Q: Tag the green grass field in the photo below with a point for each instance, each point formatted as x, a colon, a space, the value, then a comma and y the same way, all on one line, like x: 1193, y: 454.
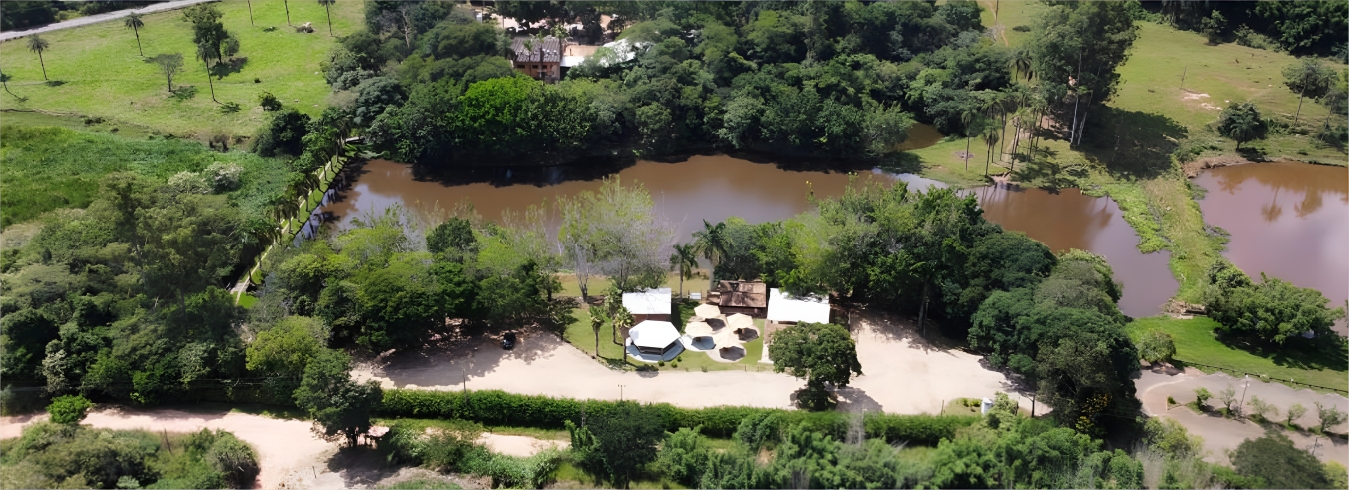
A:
x: 1197, y: 342
x: 46, y: 168
x: 104, y: 76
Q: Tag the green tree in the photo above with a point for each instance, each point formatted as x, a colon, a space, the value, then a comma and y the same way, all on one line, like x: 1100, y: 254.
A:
x: 1328, y: 416
x: 135, y: 23
x: 1263, y: 409
x: 68, y: 409
x: 1156, y: 346
x: 1275, y: 459
x: 1213, y: 27
x: 340, y: 407
x: 454, y: 237
x: 4, y: 80
x: 38, y: 45
x: 285, y: 349
x: 1294, y: 412
x: 169, y: 65
x: 1310, y: 78
x: 618, y: 442
x: 1201, y: 396
x: 327, y: 9
x: 711, y: 240
x: 684, y: 260
x: 1242, y: 122
x: 597, y: 321
x: 1228, y: 396
x: 820, y: 353
x: 1076, y: 48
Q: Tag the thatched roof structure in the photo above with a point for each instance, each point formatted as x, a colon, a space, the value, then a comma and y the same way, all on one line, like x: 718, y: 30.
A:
x: 743, y: 294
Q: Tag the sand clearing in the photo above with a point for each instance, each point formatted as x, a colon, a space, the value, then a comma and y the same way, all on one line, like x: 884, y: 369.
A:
x: 518, y: 445
x: 283, y: 446
x: 903, y: 374
x: 1222, y: 434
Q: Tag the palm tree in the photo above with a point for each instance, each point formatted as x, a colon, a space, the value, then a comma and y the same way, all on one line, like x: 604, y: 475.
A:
x: 204, y: 53
x: 1021, y: 63
x: 38, y: 45
x: 287, y: 4
x: 596, y: 323
x: 969, y: 117
x: 4, y: 80
x: 991, y: 138
x: 684, y: 261
x: 250, y: 13
x: 134, y: 22
x: 326, y: 4
x: 712, y: 242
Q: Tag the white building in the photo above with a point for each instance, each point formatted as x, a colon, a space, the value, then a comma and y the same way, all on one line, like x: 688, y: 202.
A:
x: 652, y: 304
x: 785, y: 308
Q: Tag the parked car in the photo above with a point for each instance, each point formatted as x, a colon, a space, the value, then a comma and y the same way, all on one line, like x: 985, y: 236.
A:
x: 508, y: 341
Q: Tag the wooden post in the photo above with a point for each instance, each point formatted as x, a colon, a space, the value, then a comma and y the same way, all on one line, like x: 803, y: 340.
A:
x: 1182, y: 76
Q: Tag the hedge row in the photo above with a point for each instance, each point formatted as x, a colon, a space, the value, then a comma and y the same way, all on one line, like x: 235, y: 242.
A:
x: 496, y: 407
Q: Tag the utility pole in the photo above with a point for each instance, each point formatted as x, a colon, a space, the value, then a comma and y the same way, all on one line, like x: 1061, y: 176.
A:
x: 620, y: 392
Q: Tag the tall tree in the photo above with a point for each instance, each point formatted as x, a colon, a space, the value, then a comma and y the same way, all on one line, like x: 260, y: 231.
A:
x: 684, y: 260
x: 711, y: 240
x: 204, y: 54
x: 169, y: 65
x: 37, y: 45
x: 134, y: 22
x: 991, y: 138
x: 287, y: 4
x: 327, y: 9
x: 618, y: 443
x: 1076, y: 48
x: 4, y: 80
x: 597, y: 320
x: 340, y: 407
x: 1310, y: 78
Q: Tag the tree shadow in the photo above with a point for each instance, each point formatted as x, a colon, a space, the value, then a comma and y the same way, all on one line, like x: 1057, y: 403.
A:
x: 183, y: 92
x: 1298, y: 354
x: 1131, y: 142
x: 229, y: 67
x: 360, y: 466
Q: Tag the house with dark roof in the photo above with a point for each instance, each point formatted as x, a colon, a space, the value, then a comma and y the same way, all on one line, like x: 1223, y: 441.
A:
x: 748, y: 297
x: 540, y: 59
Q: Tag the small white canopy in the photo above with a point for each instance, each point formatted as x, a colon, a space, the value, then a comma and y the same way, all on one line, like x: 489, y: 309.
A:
x: 652, y: 334
x: 783, y: 307
x: 649, y: 302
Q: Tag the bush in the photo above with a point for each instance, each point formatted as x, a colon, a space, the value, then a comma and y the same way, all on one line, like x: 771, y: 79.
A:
x: 283, y: 135
x: 1201, y: 396
x: 269, y: 102
x: 69, y: 409
x: 501, y: 408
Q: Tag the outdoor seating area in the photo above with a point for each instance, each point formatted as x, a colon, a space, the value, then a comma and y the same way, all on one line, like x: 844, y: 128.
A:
x: 721, y: 337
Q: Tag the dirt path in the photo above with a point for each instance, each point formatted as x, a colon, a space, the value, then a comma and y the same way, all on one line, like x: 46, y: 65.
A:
x: 903, y: 374
x: 103, y: 17
x: 518, y: 445
x: 1221, y: 434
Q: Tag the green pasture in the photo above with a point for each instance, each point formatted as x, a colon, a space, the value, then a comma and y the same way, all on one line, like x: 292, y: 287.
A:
x: 1197, y: 342
x: 101, y: 74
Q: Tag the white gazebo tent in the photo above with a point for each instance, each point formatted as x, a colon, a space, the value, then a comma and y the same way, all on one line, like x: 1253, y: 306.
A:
x: 652, y: 304
x: 655, y: 338
x: 785, y: 308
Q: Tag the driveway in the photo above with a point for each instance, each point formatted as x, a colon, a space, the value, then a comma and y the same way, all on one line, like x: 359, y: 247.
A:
x: 1220, y: 434
x: 106, y: 16
x: 903, y: 374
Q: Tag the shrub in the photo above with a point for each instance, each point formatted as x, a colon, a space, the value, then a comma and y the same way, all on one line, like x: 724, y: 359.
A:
x: 1201, y: 396
x: 500, y: 408
x: 1328, y: 416
x: 222, y: 177
x: 284, y: 134
x: 1156, y: 346
x: 69, y: 409
x: 269, y: 102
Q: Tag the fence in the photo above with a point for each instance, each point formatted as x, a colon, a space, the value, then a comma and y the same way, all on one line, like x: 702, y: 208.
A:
x: 1264, y: 376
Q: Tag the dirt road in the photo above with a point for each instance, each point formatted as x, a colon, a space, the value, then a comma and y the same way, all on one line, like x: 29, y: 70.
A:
x: 103, y: 17
x: 903, y: 374
x: 1220, y: 434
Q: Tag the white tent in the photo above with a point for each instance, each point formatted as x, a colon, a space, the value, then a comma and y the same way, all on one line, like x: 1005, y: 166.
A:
x: 653, y: 337
x: 649, y: 302
x: 785, y: 308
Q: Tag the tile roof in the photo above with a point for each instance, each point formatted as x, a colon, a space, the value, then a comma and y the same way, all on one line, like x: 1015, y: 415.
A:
x: 547, y: 51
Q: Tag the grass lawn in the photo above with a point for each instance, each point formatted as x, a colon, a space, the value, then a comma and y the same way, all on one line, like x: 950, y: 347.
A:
x: 597, y: 284
x: 104, y: 76
x: 580, y: 335
x: 1197, y: 342
x: 46, y: 168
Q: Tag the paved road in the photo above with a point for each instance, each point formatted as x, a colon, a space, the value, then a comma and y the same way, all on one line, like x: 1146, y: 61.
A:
x: 106, y: 16
x: 1221, y: 434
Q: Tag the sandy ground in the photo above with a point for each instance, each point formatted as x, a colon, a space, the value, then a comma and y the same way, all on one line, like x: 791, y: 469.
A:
x: 903, y: 374
x: 518, y: 445
x: 1220, y: 434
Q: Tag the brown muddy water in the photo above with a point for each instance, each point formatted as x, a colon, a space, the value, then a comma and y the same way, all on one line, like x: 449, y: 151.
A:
x: 716, y: 187
x: 1288, y: 220
x: 1069, y: 219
